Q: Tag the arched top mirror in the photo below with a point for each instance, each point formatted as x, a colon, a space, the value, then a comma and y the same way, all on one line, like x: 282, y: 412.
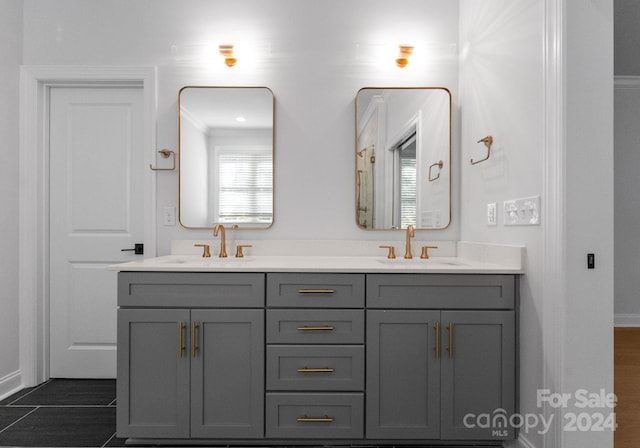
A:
x: 403, y: 158
x: 226, y: 156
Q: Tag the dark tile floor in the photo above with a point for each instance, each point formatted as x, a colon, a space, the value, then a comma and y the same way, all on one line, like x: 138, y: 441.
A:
x: 66, y: 413
x: 61, y: 413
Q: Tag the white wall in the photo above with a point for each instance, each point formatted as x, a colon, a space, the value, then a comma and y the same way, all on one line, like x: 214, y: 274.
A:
x: 588, y: 306
x: 310, y: 59
x: 565, y: 338
x: 10, y: 59
x: 501, y: 85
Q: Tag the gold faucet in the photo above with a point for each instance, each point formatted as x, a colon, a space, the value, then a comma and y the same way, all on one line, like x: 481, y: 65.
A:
x: 407, y: 253
x: 223, y: 243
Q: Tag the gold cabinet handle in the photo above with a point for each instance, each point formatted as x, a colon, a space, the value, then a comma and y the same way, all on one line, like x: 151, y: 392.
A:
x: 436, y: 348
x: 450, y: 348
x: 324, y: 419
x: 320, y: 328
x: 181, y: 346
x: 306, y: 369
x: 316, y: 291
x: 194, y: 339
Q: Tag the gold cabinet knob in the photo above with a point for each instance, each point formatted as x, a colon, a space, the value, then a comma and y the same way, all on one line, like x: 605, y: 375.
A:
x: 392, y: 251
x: 206, y: 253
x: 425, y: 251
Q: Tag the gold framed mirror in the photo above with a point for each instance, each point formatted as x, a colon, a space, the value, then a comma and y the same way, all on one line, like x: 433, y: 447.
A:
x: 226, y: 147
x: 403, y: 158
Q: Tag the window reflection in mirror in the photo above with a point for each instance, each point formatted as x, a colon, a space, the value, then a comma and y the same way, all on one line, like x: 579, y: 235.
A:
x: 402, y: 134
x: 226, y: 156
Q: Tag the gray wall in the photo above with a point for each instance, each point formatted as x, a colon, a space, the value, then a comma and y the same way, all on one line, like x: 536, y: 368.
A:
x: 626, y: 37
x: 627, y: 165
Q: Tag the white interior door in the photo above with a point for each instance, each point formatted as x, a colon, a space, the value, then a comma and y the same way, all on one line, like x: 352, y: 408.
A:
x: 96, y: 159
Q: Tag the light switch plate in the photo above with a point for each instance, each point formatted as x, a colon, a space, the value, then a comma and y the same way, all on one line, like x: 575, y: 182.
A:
x: 492, y: 214
x: 522, y: 212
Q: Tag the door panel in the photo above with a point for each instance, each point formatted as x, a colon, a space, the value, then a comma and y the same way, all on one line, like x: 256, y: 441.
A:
x: 227, y: 374
x: 96, y: 209
x: 153, y: 388
x: 403, y: 375
x: 478, y: 376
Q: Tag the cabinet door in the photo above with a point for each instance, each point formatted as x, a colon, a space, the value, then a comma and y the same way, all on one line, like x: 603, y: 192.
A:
x: 478, y: 373
x: 227, y: 374
x: 403, y: 375
x: 153, y: 373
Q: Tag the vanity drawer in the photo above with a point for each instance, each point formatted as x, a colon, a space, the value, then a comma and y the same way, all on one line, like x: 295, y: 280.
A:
x: 315, y: 327
x: 314, y: 416
x: 441, y: 291
x: 326, y: 368
x: 187, y: 289
x: 315, y: 290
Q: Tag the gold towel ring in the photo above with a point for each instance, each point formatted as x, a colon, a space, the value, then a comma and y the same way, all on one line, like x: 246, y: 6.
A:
x: 488, y: 141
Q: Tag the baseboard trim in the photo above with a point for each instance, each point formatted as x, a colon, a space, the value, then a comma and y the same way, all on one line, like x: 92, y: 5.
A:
x: 523, y: 442
x: 520, y: 442
x: 626, y: 320
x: 10, y: 384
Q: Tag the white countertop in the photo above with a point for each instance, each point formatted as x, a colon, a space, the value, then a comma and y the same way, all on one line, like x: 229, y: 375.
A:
x: 353, y: 264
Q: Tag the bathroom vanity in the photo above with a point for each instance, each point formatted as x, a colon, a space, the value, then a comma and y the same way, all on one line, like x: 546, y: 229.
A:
x: 316, y: 351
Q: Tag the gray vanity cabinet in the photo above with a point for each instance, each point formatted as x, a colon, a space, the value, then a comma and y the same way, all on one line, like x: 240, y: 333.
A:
x: 429, y: 369
x: 153, y: 373
x: 190, y: 372
x: 315, y: 358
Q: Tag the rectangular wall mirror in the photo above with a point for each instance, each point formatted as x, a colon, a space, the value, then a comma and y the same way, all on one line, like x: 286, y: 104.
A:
x: 226, y: 156
x: 403, y: 158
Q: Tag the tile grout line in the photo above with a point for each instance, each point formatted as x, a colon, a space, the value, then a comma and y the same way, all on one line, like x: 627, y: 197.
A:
x: 106, y: 406
x: 21, y: 418
x: 30, y: 392
x: 113, y: 436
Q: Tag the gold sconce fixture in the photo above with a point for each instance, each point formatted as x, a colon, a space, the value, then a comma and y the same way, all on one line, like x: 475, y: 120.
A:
x: 405, y: 51
x: 488, y: 141
x: 226, y: 50
x: 165, y: 153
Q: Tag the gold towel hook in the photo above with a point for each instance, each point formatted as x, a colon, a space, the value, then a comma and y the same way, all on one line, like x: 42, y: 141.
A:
x: 165, y: 153
x: 439, y: 164
x: 488, y: 141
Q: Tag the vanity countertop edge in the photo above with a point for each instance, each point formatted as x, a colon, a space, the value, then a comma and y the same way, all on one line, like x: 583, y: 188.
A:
x: 470, y: 258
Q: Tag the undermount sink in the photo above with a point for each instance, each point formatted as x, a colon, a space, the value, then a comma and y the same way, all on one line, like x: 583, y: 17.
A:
x: 196, y: 260
x: 420, y: 262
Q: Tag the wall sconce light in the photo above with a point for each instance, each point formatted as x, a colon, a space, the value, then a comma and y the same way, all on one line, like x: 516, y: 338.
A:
x: 226, y: 51
x: 403, y: 55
